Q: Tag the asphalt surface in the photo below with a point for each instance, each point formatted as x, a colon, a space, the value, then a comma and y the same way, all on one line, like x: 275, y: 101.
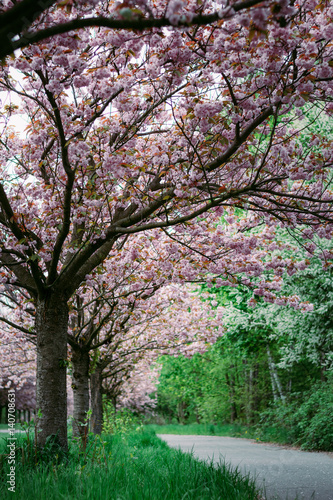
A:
x: 284, y: 473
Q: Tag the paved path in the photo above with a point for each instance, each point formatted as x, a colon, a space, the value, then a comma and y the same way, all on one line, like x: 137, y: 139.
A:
x: 284, y: 473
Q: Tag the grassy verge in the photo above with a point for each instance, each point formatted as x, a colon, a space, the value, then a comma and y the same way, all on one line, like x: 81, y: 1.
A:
x: 136, y: 467
x: 271, y: 434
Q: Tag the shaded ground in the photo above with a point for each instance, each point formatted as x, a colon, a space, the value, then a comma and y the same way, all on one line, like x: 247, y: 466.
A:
x: 285, y: 473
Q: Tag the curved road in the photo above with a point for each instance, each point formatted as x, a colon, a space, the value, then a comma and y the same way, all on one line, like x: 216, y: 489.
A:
x: 284, y: 473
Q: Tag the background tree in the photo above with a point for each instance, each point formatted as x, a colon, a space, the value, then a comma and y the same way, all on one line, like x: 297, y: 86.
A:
x: 271, y: 369
x: 139, y: 390
x: 18, y: 371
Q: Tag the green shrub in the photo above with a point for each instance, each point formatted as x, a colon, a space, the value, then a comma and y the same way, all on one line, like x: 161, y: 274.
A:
x: 122, y: 421
x: 315, y: 418
x: 306, y: 420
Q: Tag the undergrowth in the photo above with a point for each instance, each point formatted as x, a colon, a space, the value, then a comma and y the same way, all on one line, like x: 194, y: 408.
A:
x: 134, y: 466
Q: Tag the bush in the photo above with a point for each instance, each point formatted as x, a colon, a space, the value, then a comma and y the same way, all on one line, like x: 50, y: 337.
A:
x: 307, y: 419
x: 122, y: 421
x: 315, y: 418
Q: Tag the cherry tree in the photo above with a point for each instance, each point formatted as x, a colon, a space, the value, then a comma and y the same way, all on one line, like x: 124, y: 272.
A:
x: 115, y: 298
x: 134, y: 130
x: 18, y: 353
x: 174, y: 321
x: 108, y: 304
x: 18, y: 371
x: 132, y: 289
x: 137, y: 390
x: 123, y: 315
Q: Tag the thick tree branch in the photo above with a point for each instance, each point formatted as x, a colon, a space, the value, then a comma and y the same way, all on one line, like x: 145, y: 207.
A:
x: 91, y: 256
x: 242, y: 136
x: 65, y: 227
x: 15, y: 22
x: 18, y: 19
x: 17, y: 327
x: 21, y: 273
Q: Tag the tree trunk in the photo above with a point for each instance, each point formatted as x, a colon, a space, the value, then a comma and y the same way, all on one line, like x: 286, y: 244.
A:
x: 231, y: 386
x: 249, y: 408
x: 323, y: 368
x: 51, y: 394
x: 181, y: 413
x: 114, y: 399
x: 80, y: 385
x: 276, y: 384
x: 256, y: 396
x: 96, y: 401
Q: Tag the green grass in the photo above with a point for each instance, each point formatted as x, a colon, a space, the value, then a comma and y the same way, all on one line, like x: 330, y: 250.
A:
x: 271, y: 434
x: 201, y: 429
x: 136, y: 467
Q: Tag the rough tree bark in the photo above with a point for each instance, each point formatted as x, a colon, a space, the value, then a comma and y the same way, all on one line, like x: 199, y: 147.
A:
x: 96, y: 401
x: 51, y: 325
x: 80, y: 385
